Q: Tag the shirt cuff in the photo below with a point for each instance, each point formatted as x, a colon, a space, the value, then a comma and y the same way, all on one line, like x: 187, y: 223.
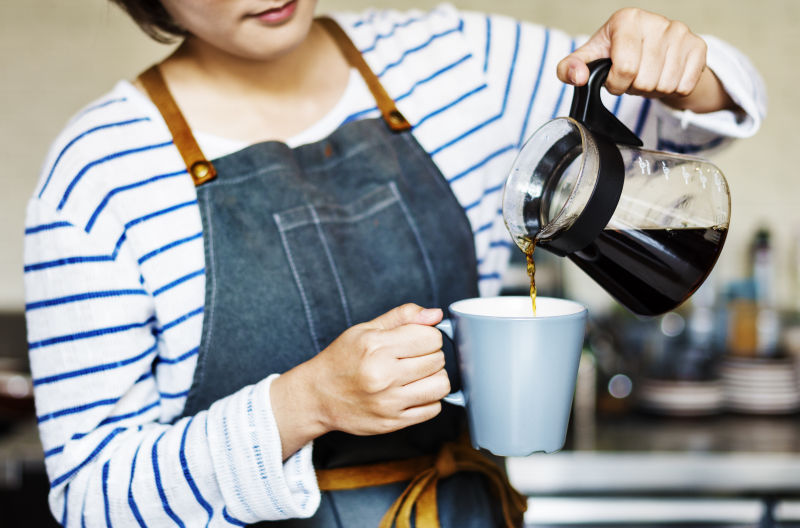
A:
x: 744, y: 85
x: 247, y: 456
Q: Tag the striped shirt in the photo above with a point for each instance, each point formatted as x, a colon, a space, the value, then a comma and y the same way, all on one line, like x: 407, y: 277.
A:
x: 114, y: 264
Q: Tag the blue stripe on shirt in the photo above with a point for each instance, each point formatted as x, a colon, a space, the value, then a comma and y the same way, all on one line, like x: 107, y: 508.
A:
x: 54, y: 451
x: 232, y: 520
x: 368, y: 20
x: 481, y: 163
x: 182, y: 357
x: 159, y: 487
x: 105, y: 493
x: 81, y: 297
x: 187, y: 474
x: 96, y: 368
x: 132, y: 414
x: 486, y: 192
x: 432, y: 76
x: 66, y: 476
x: 488, y: 43
x: 179, y: 320
x: 643, y: 113
x: 88, y: 334
x: 178, y: 281
x: 536, y: 84
x: 394, y: 27
x: 97, y: 106
x: 502, y: 108
x: 617, y: 105
x: 102, y: 160
x: 420, y: 47
x: 82, y: 135
x: 46, y: 227
x: 356, y: 115
x: 77, y: 260
x: 452, y: 103
x: 158, y: 213
x: 123, y: 188
x: 75, y: 410
x: 501, y: 243
x: 131, y: 500
x: 173, y: 395
x: 66, y: 502
x: 171, y: 245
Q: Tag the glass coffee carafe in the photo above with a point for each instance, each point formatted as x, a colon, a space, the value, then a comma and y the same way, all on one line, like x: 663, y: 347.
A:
x: 647, y: 226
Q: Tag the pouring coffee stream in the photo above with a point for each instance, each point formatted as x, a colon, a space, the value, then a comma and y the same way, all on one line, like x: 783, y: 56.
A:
x: 648, y: 226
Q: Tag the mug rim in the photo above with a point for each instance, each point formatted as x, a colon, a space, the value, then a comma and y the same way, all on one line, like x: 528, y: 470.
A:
x: 579, y: 309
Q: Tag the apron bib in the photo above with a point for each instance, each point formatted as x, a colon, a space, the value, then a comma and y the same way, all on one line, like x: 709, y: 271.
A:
x: 301, y: 244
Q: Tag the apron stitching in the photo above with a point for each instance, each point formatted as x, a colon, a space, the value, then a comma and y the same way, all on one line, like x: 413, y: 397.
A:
x: 349, y: 219
x: 292, y: 218
x: 209, y: 304
x: 413, y: 225
x: 297, y: 281
x: 332, y: 263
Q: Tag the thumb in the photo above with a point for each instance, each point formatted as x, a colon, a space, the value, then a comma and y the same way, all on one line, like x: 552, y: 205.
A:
x: 573, y: 70
x: 407, y: 314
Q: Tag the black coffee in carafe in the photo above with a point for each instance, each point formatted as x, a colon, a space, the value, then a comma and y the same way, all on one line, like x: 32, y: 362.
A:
x: 647, y: 226
x: 651, y: 271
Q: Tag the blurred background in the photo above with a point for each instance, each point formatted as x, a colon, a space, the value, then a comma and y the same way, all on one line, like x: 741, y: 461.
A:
x: 686, y: 418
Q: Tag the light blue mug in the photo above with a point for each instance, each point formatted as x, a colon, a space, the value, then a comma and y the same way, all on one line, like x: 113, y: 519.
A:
x: 518, y: 371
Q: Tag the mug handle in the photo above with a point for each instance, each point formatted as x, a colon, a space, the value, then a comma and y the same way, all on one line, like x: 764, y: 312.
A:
x: 457, y: 397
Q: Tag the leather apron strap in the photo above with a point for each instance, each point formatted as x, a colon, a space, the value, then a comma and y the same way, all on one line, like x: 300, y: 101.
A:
x: 198, y: 166
x: 203, y: 170
x: 424, y: 474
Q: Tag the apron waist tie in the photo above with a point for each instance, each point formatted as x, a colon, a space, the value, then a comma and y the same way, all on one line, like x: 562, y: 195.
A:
x: 424, y: 473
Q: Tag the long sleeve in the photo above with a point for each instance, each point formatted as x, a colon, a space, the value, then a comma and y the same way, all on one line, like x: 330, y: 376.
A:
x: 522, y: 57
x: 114, y: 292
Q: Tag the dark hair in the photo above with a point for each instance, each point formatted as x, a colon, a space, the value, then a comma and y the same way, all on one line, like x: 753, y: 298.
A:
x: 152, y: 18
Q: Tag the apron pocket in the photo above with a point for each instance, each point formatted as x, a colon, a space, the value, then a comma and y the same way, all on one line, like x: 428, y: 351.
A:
x: 355, y: 261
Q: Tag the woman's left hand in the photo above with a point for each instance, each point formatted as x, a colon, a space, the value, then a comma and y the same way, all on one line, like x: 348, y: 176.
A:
x: 651, y: 56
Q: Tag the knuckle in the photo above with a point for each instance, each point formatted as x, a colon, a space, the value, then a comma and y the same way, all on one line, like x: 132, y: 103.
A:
x: 386, y: 425
x: 371, y: 378
x: 645, y: 85
x: 408, y: 311
x: 384, y: 409
x: 436, y: 340
x: 627, y: 13
x: 439, y: 359
x: 678, y: 28
x: 371, y: 340
x: 445, y: 384
x: 433, y: 411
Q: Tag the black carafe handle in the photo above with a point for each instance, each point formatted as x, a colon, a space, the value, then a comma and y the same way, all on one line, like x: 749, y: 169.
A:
x: 588, y: 108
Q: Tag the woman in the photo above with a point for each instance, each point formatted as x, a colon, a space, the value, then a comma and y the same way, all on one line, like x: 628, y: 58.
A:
x: 235, y: 262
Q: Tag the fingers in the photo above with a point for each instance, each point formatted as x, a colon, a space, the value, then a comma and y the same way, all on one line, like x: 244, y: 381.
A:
x: 425, y: 391
x: 412, y: 340
x: 406, y: 314
x: 414, y: 369
x: 651, y: 55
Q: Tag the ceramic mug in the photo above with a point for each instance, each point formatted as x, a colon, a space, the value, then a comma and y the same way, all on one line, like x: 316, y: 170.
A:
x: 518, y: 371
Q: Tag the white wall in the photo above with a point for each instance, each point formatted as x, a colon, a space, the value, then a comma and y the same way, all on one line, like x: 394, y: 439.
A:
x: 59, y: 54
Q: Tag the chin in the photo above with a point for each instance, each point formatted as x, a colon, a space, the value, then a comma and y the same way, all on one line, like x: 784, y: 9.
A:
x: 265, y: 41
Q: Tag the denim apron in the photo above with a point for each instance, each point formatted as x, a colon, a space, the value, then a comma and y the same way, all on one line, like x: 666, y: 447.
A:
x: 302, y: 243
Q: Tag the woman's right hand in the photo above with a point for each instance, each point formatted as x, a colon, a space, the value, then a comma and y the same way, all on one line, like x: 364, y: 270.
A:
x: 376, y: 377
